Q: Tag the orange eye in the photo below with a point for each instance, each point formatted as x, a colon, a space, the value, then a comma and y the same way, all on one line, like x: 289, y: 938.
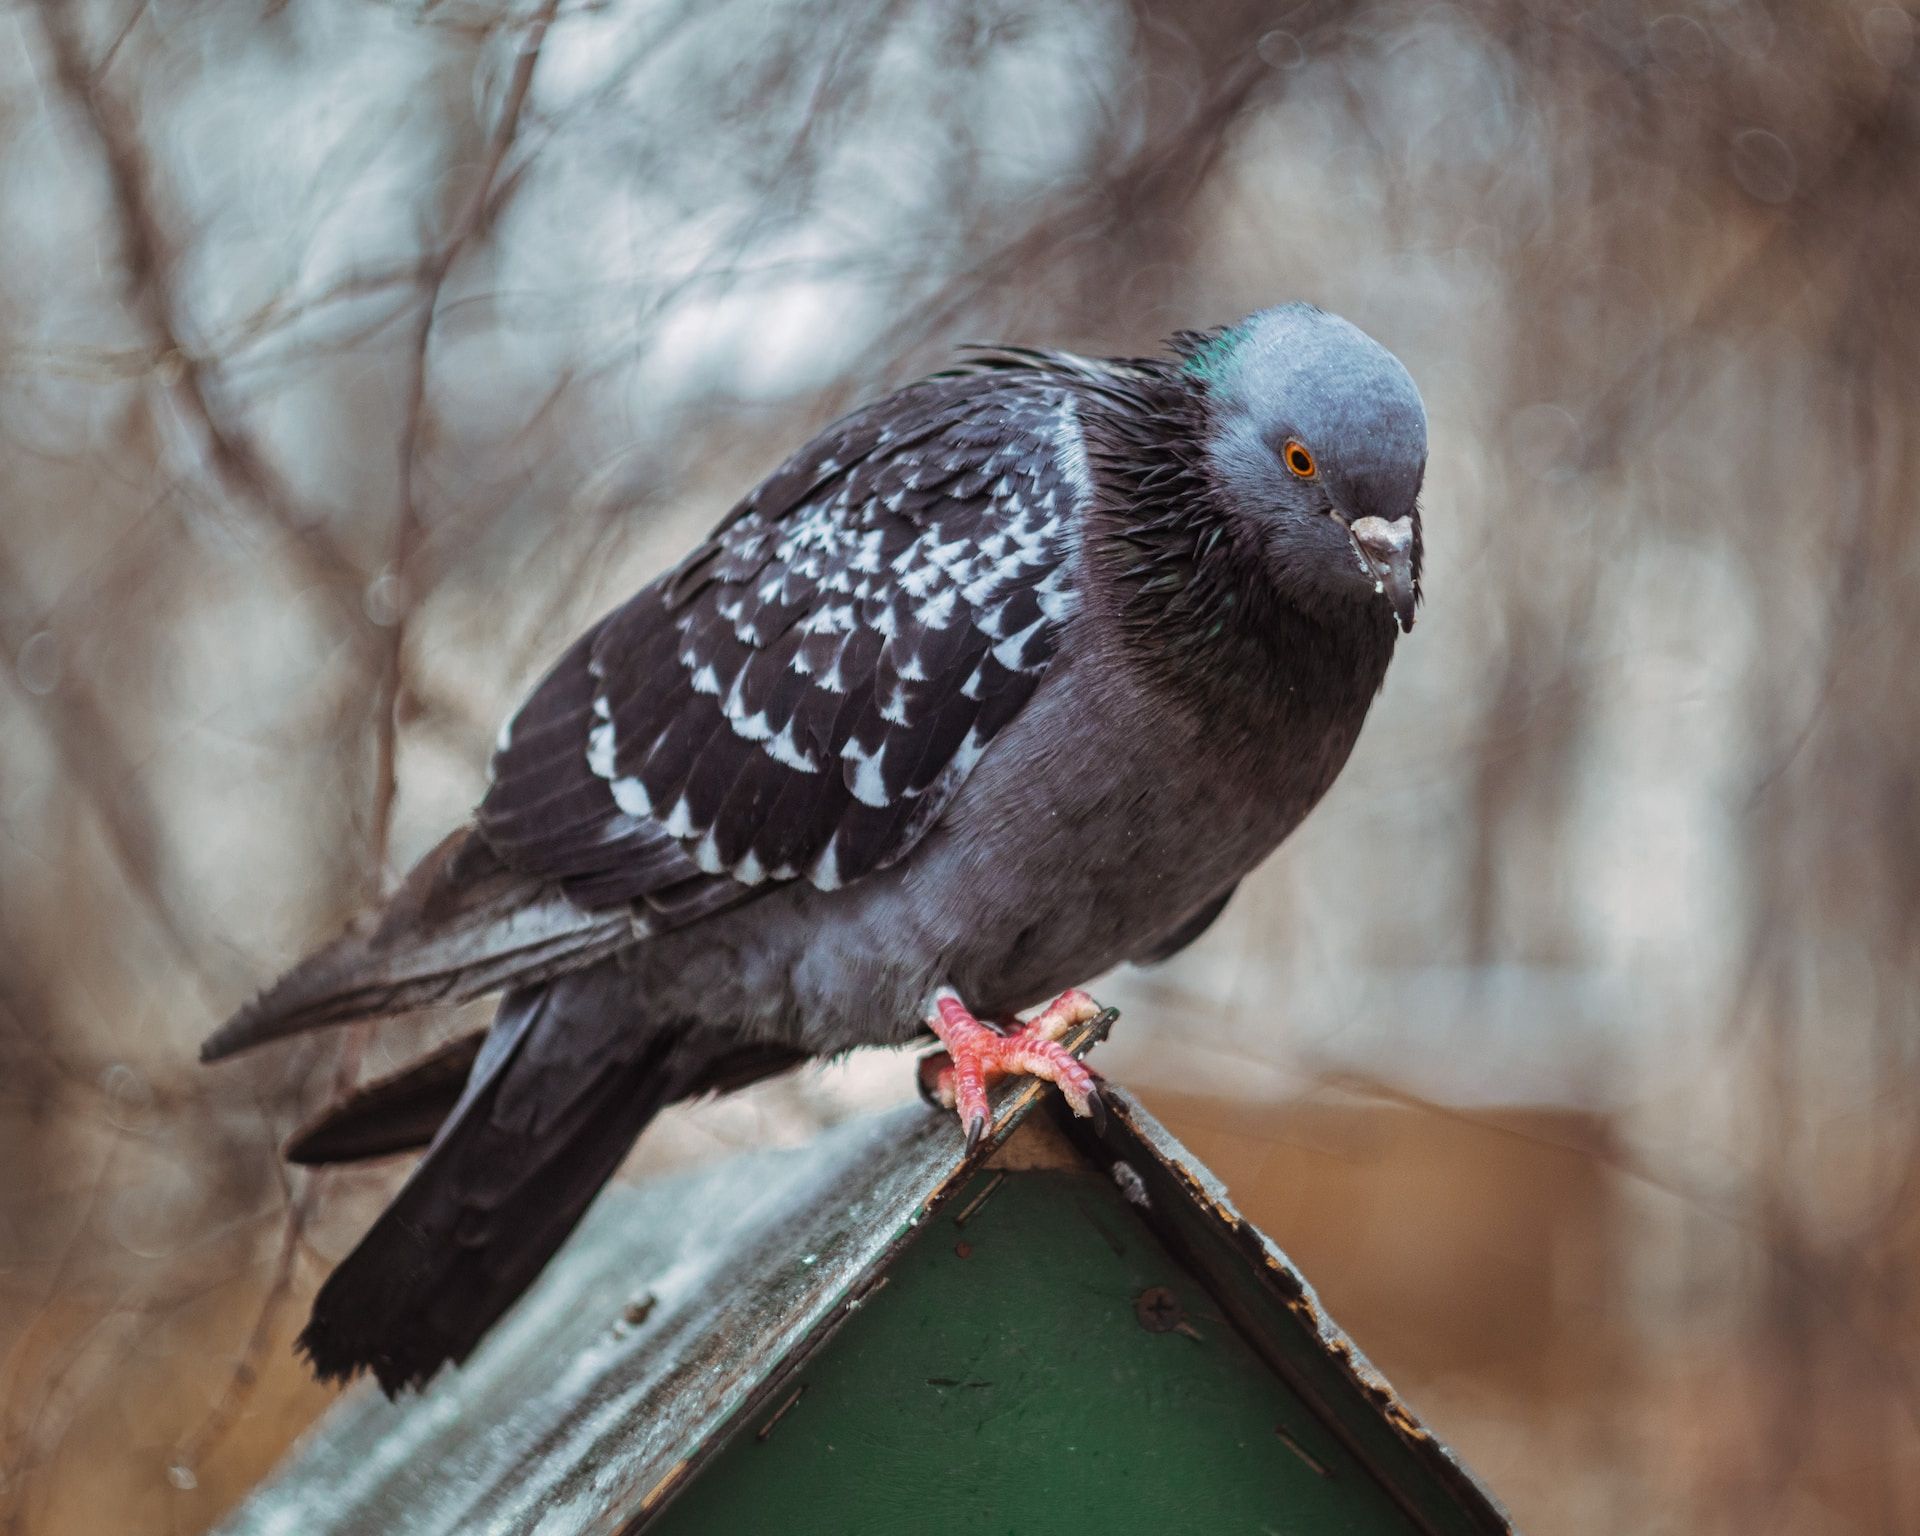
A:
x: 1299, y: 460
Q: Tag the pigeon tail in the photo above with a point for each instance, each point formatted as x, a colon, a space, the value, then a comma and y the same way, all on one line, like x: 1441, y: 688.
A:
x: 563, y: 1086
x: 460, y: 925
x: 403, y: 1111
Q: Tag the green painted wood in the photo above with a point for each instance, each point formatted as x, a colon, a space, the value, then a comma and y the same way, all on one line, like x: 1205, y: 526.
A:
x: 1255, y: 1284
x: 1002, y: 1381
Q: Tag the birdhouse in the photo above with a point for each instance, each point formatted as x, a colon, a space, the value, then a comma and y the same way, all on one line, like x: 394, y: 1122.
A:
x: 1070, y: 1330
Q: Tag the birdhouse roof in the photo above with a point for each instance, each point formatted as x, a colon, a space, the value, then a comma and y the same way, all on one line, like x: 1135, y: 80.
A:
x: 683, y: 1314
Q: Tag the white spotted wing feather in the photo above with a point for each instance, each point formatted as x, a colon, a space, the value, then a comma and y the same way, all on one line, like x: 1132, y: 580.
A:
x: 802, y: 696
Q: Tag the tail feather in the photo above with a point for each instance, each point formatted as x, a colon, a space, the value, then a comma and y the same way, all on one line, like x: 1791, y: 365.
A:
x: 402, y: 1111
x: 397, y: 1113
x: 462, y: 925
x: 542, y: 1125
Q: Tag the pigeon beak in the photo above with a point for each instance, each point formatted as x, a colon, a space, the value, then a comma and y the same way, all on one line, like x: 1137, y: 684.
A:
x: 1387, y: 549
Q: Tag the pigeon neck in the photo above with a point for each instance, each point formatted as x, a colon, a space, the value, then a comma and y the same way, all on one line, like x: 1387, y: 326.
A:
x: 1186, y: 587
x: 1160, y: 539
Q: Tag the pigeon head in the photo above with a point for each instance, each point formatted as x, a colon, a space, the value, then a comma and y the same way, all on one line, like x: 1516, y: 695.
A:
x: 1316, y: 440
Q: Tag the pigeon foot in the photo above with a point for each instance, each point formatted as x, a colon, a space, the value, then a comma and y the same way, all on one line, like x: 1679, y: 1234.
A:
x: 978, y: 1054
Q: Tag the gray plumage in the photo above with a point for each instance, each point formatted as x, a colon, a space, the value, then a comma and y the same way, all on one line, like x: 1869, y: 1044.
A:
x: 1001, y: 681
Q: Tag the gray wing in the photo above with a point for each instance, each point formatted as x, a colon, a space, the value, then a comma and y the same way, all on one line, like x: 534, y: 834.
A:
x: 804, y: 694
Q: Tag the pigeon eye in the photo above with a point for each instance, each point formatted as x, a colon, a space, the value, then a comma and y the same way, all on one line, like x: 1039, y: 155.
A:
x: 1299, y: 460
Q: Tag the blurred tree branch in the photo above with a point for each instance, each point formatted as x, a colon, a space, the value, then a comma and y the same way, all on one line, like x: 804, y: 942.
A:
x: 85, y: 742
x: 478, y: 207
x: 240, y: 467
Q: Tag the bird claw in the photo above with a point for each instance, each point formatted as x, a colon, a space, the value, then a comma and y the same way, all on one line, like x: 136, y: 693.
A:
x: 1070, y: 1008
x: 976, y: 1054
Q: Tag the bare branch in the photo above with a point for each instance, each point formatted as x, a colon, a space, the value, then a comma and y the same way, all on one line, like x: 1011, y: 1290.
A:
x: 86, y: 743
x: 241, y: 468
x: 407, y: 519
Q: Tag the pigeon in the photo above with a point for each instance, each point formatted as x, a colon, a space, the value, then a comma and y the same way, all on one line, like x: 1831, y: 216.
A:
x: 1001, y: 681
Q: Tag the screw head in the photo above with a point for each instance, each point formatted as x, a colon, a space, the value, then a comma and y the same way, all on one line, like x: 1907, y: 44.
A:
x: 1158, y: 1309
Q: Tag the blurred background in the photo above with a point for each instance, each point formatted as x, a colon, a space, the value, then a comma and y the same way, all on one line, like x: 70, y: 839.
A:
x: 353, y: 353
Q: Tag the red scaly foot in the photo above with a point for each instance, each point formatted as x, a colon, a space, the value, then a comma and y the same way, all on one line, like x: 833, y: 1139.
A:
x: 978, y: 1054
